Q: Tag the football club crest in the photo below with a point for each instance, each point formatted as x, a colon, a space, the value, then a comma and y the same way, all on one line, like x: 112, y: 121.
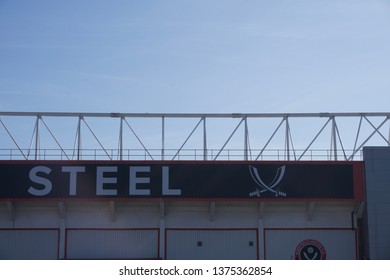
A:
x: 310, y: 249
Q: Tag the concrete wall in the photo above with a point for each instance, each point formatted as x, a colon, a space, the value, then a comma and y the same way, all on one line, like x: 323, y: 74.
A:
x: 377, y: 213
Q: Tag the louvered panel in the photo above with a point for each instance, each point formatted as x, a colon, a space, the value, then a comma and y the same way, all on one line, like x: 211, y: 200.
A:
x: 336, y: 244
x: 29, y: 244
x: 212, y: 244
x: 112, y: 244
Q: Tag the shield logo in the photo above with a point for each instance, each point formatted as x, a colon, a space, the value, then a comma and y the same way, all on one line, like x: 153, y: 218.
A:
x: 310, y: 249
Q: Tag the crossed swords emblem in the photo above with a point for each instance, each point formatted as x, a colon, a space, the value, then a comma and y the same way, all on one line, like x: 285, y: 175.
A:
x: 263, y: 187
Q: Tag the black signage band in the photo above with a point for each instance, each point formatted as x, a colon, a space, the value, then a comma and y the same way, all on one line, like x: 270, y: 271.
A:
x: 131, y: 180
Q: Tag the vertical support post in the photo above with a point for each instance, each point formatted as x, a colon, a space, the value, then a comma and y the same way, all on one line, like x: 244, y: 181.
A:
x: 334, y: 141
x: 310, y: 210
x: 79, y: 138
x: 61, y: 210
x: 260, y: 229
x: 121, y: 139
x: 246, y: 139
x: 163, y: 212
x: 388, y: 139
x: 37, y: 138
x: 62, y: 228
x: 357, y: 137
x: 204, y: 139
x: 287, y: 145
x: 62, y: 239
x: 163, y: 138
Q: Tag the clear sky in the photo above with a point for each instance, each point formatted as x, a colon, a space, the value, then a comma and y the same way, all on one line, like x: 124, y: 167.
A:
x: 246, y: 56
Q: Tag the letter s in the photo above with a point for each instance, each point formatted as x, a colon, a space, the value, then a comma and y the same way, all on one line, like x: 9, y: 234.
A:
x: 40, y: 180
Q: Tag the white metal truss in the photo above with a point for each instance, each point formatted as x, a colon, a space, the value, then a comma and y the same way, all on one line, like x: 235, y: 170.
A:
x: 145, y: 136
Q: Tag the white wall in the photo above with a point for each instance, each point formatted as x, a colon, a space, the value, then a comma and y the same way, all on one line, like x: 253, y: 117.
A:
x: 185, y: 214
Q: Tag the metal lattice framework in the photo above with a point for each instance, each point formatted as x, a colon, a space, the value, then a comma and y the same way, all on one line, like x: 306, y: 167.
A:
x: 144, y: 136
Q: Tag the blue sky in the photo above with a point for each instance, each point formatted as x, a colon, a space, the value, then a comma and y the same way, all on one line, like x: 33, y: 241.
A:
x: 195, y: 56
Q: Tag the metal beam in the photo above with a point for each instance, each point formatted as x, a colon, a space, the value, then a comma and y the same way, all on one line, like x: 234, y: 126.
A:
x: 270, y: 139
x: 189, y: 136
x: 261, y: 210
x: 37, y: 138
x: 286, y: 148
x: 230, y: 137
x: 246, y: 138
x: 120, y: 140
x: 205, y: 139
x: 61, y: 210
x: 314, y: 139
x: 369, y: 137
x: 287, y: 139
x: 212, y: 211
x: 162, y: 138
x: 163, y: 209
x: 11, y: 210
x: 55, y: 139
x: 139, y: 140
x: 359, y: 209
x: 78, y: 138
x: 112, y: 209
x: 196, y: 115
x: 310, y: 210
x: 13, y: 139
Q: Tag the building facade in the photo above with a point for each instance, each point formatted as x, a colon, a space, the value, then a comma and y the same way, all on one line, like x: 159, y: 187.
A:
x: 79, y: 196
x: 181, y: 210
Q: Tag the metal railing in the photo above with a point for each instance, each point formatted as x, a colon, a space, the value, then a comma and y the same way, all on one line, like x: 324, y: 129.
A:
x: 171, y: 154
x: 131, y: 136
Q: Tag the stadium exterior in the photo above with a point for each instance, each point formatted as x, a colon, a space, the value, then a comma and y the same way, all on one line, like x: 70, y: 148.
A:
x: 286, y: 199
